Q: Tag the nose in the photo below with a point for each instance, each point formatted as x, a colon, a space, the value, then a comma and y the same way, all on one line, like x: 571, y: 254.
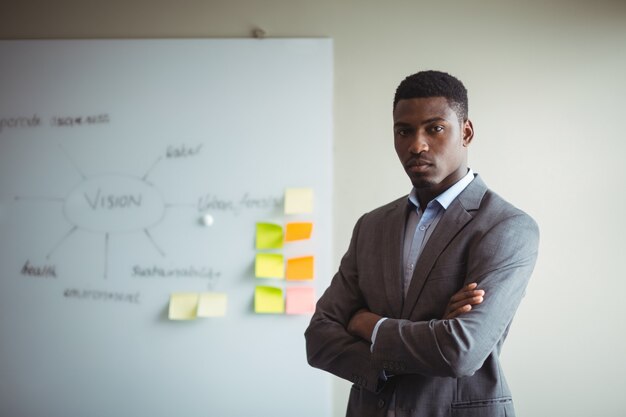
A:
x: 418, y: 145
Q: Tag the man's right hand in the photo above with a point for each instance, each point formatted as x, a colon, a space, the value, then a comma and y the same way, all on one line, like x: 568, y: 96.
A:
x: 463, y: 300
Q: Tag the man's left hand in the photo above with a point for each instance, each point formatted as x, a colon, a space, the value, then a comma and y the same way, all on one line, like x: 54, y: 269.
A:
x: 362, y: 324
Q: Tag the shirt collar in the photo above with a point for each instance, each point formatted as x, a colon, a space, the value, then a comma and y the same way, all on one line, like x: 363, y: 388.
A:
x: 446, y: 198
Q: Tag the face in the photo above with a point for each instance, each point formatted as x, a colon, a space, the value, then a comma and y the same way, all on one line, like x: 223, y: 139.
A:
x: 431, y: 143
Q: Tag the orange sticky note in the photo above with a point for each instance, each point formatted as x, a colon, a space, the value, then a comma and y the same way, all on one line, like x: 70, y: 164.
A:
x: 300, y: 268
x: 298, y: 231
x: 300, y: 300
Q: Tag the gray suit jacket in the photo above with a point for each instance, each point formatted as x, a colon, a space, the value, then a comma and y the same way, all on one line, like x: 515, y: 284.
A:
x: 439, y: 367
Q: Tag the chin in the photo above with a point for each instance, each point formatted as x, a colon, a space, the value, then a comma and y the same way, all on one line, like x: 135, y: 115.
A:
x: 422, y: 182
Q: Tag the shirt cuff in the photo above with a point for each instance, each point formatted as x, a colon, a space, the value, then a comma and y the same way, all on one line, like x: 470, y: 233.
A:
x: 375, y: 331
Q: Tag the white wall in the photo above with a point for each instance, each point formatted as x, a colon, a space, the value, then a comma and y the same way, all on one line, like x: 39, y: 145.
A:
x: 547, y: 85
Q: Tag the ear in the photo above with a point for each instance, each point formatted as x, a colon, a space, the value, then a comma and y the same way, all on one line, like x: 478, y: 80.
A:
x: 468, y: 132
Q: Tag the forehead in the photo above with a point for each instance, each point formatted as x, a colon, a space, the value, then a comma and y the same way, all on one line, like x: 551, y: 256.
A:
x: 418, y: 110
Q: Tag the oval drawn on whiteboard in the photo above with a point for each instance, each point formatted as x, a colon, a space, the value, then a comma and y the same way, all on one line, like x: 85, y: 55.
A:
x: 113, y: 204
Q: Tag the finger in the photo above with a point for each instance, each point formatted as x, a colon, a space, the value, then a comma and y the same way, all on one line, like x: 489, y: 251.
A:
x: 458, y: 311
x: 467, y: 301
x: 455, y: 309
x: 467, y: 288
x: 466, y: 295
x: 476, y: 297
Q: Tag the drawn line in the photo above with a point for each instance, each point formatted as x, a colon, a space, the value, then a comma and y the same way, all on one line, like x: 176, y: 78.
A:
x: 168, y: 205
x: 67, y: 155
x: 153, y: 242
x: 151, y: 168
x: 106, y: 256
x: 39, y: 198
x: 72, y: 230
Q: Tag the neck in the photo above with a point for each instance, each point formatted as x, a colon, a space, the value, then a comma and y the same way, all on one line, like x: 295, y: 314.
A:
x: 426, y: 194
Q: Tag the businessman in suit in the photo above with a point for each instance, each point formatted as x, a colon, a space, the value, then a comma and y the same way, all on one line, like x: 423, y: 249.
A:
x: 420, y: 307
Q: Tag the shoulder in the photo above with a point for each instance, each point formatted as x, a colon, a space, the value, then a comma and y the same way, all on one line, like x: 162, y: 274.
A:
x: 376, y: 221
x: 386, y: 211
x: 397, y: 204
x: 496, y: 212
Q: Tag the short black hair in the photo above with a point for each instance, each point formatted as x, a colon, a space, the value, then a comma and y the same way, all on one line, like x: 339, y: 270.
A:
x: 434, y: 84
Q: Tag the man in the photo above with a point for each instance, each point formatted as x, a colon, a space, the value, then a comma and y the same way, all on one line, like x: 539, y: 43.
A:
x: 424, y: 297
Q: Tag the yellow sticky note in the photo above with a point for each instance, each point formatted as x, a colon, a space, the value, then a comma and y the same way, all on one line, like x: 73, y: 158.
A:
x: 268, y: 300
x: 183, y: 306
x: 212, y: 304
x: 298, y: 231
x: 298, y: 200
x: 300, y: 268
x: 269, y: 236
x: 300, y: 300
x: 269, y: 265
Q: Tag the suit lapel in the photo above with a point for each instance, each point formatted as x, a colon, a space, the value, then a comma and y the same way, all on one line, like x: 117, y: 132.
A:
x: 451, y: 223
x: 393, y: 238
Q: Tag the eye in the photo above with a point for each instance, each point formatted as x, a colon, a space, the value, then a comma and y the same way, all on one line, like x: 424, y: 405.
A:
x: 403, y: 131
x: 437, y: 129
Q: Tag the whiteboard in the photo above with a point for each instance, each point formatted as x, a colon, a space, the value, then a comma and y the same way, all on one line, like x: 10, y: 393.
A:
x: 111, y: 154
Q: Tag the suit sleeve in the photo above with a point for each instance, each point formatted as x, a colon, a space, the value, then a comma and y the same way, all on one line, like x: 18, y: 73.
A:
x: 501, y: 261
x: 329, y: 346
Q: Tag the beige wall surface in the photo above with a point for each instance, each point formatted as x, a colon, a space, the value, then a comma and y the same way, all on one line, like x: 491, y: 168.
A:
x: 547, y: 84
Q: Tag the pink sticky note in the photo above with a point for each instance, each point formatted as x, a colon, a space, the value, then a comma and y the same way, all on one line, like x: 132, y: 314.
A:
x: 300, y: 300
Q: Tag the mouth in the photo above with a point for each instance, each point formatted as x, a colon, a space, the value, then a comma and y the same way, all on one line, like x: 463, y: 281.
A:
x: 418, y: 166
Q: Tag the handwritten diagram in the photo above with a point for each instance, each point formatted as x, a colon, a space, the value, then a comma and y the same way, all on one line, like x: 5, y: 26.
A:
x: 133, y: 173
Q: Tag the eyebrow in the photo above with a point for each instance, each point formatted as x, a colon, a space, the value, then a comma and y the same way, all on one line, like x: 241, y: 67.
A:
x: 425, y: 122
x: 434, y: 119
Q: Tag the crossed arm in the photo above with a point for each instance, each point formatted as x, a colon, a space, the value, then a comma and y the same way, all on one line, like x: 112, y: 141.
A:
x: 457, y: 344
x: 346, y: 351
x: 363, y: 321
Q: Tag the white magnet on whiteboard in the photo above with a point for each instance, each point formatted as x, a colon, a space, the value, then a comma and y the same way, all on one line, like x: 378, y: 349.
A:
x: 207, y: 219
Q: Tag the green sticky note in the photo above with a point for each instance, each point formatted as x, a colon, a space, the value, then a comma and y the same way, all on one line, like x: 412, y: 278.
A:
x: 269, y: 265
x: 268, y: 300
x: 212, y: 304
x: 183, y: 306
x: 269, y: 236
